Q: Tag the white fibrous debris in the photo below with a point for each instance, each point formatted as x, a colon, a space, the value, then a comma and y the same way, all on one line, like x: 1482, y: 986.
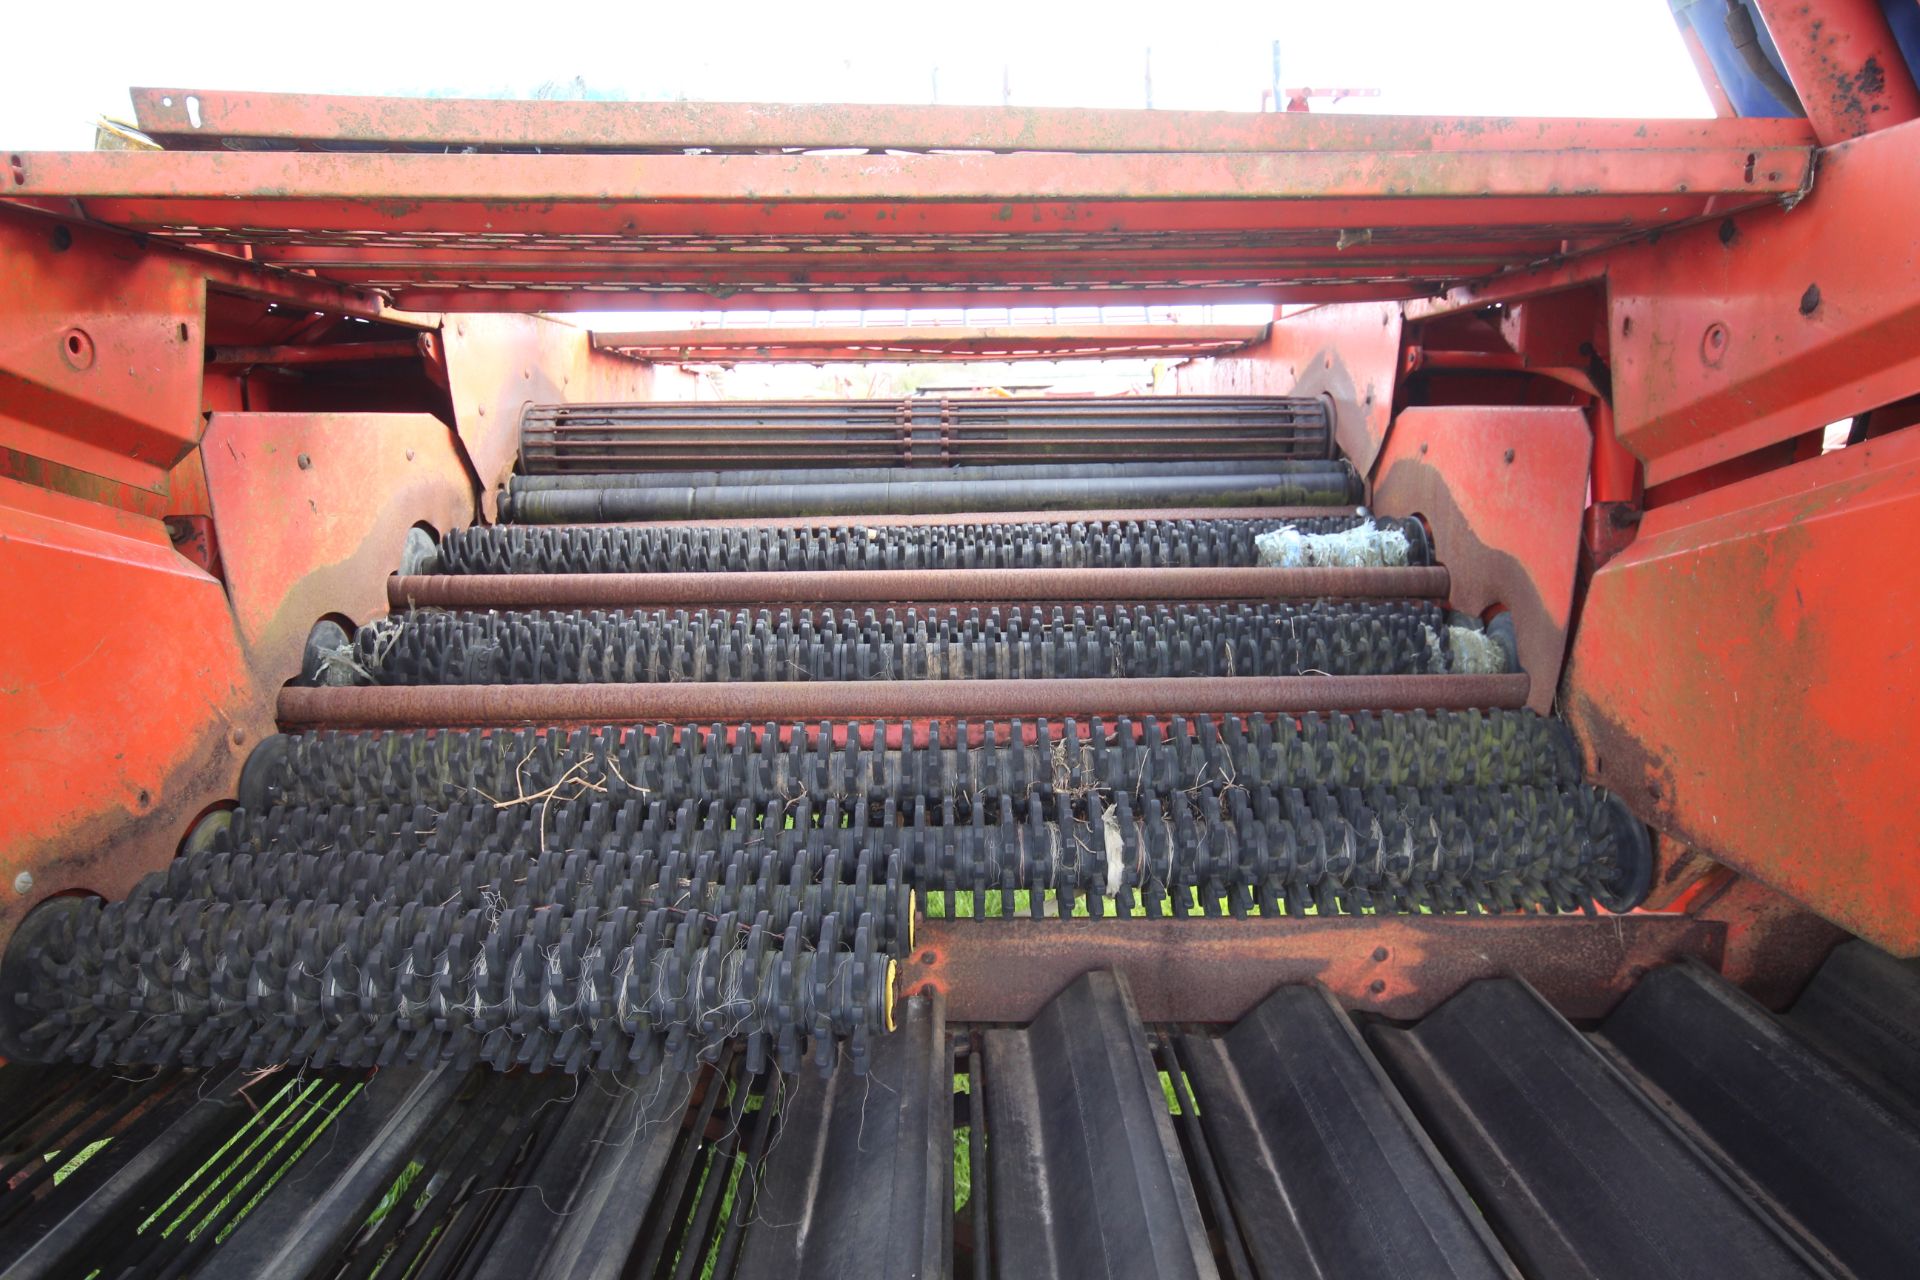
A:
x: 1366, y: 545
x: 1475, y: 652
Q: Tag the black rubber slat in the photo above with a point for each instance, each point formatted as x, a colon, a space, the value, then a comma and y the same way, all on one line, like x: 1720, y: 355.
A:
x: 112, y: 1193
x: 1578, y: 1172
x: 1865, y: 1005
x: 1326, y: 1169
x: 1804, y: 1132
x: 298, y: 1234
x: 620, y: 1171
x: 1088, y: 1180
x: 860, y: 1183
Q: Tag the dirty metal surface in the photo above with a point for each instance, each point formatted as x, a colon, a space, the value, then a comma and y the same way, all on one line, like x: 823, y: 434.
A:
x: 99, y: 350
x: 1743, y: 678
x: 127, y: 705
x: 1845, y: 66
x: 502, y: 232
x: 1349, y: 353
x: 315, y: 509
x: 1217, y: 970
x: 497, y: 365
x: 1752, y: 329
x: 1502, y: 490
x: 419, y: 706
x: 1763, y: 925
x: 186, y: 119
x: 145, y: 681
x: 630, y: 590
x: 868, y: 343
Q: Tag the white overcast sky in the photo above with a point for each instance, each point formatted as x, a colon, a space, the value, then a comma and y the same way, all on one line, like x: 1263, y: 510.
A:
x: 69, y: 63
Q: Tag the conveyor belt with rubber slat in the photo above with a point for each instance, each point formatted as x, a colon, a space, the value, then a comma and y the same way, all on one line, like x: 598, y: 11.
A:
x: 1084, y: 1145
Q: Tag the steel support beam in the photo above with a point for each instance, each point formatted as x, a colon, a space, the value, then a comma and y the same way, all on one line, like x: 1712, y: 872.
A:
x: 554, y: 231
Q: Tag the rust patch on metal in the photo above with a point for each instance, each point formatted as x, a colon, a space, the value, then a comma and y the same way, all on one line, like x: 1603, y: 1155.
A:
x: 1217, y: 970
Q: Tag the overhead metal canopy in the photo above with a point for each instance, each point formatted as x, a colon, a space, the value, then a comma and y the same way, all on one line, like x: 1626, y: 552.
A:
x: 551, y: 206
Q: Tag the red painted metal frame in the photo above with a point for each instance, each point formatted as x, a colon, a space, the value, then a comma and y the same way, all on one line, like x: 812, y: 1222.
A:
x: 1744, y: 675
x: 503, y: 232
x: 1682, y: 403
x: 933, y: 342
x: 497, y: 365
x: 1784, y: 590
x: 99, y: 366
x: 1815, y: 308
x: 1502, y: 490
x: 136, y: 682
x: 439, y: 123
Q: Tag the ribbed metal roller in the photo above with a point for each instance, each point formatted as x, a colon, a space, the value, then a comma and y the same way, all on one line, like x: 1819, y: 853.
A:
x: 920, y: 432
x: 1012, y: 642
x: 1065, y: 544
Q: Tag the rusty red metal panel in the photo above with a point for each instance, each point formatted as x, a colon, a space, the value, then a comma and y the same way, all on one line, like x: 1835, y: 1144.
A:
x: 530, y: 231
x: 932, y: 342
x: 1502, y: 490
x: 1851, y: 77
x: 630, y: 590
x: 129, y: 703
x: 1661, y: 180
x: 312, y: 509
x: 1762, y: 926
x: 198, y: 118
x: 793, y: 701
x: 1744, y: 676
x: 497, y: 365
x: 99, y: 350
x: 1217, y: 970
x: 1349, y: 353
x: 136, y: 683
x: 1736, y: 335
